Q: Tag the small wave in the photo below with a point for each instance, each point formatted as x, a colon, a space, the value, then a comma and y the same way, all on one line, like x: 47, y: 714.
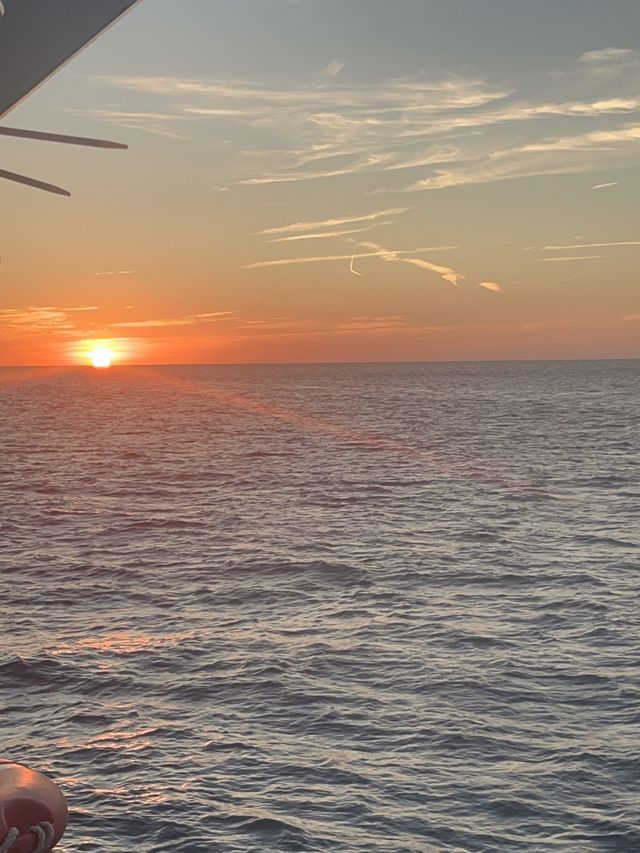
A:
x: 152, y: 524
x: 335, y: 573
x: 272, y: 830
x: 40, y: 671
x: 591, y: 539
x: 532, y: 496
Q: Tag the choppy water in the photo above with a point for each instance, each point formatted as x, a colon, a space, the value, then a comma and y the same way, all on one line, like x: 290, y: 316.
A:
x: 381, y: 608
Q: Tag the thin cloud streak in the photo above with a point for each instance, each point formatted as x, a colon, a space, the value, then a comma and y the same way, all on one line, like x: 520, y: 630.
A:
x: 285, y: 262
x: 594, y: 140
x: 377, y: 252
x: 573, y: 258
x: 281, y: 328
x: 590, y: 246
x: 392, y: 256
x: 563, y: 155
x: 149, y: 122
x: 187, y: 320
x: 81, y: 308
x: 611, y: 55
x: 40, y: 320
x: 321, y: 236
x: 331, y: 223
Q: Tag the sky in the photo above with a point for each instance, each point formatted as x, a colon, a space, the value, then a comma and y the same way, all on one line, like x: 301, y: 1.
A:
x: 333, y: 180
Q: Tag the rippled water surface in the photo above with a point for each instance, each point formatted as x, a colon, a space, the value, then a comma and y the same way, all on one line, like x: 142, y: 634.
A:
x: 376, y: 608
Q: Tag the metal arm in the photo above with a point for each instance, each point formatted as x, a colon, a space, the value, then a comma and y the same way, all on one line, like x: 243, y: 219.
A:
x: 59, y: 137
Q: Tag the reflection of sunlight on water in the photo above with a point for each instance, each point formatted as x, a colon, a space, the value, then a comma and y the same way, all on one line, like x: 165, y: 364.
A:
x: 116, y: 792
x: 151, y: 797
x: 300, y: 419
x: 473, y: 468
x: 122, y: 643
x: 119, y: 739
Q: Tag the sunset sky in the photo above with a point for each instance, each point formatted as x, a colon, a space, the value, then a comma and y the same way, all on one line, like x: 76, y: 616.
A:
x: 333, y: 180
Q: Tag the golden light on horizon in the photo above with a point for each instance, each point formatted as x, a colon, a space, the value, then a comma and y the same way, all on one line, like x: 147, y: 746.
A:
x: 101, y: 357
x: 99, y: 353
x: 102, y: 353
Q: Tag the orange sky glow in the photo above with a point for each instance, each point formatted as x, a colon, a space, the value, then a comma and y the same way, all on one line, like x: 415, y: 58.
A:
x: 400, y: 197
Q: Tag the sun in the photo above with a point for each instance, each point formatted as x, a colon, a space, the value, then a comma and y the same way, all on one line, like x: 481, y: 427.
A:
x: 101, y: 357
x: 101, y: 353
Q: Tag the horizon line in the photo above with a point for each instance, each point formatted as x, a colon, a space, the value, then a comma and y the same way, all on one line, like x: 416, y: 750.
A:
x: 318, y: 363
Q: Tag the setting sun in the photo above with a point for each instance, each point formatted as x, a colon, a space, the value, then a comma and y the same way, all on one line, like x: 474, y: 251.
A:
x: 101, y: 357
x: 102, y: 353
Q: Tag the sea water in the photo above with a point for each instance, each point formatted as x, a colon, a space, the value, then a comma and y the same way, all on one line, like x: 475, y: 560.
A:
x: 378, y: 608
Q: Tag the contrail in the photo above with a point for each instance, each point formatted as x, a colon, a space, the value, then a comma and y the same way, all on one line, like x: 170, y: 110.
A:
x: 351, y: 269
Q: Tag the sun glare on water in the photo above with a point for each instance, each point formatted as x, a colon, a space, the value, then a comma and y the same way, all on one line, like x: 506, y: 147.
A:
x: 101, y: 357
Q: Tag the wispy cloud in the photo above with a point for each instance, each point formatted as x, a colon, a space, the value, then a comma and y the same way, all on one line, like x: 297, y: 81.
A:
x: 452, y: 131
x: 168, y: 322
x: 160, y: 124
x: 286, y: 262
x: 331, y: 130
x: 115, y: 272
x: 493, y: 286
x: 610, y: 61
x: 610, y: 54
x: 280, y: 327
x: 296, y: 227
x: 323, y: 235
x: 372, y: 326
x: 80, y: 308
x: 392, y: 256
x: 334, y: 68
x: 571, y: 258
x: 594, y: 140
x: 375, y: 251
x: 562, y: 155
x: 590, y: 245
x: 606, y: 185
x: 397, y: 94
x: 39, y: 320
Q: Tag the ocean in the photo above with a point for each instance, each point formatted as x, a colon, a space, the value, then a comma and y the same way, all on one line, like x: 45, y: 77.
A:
x: 382, y: 608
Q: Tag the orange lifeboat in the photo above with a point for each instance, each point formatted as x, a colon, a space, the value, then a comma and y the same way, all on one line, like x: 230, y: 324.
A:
x: 33, y: 811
